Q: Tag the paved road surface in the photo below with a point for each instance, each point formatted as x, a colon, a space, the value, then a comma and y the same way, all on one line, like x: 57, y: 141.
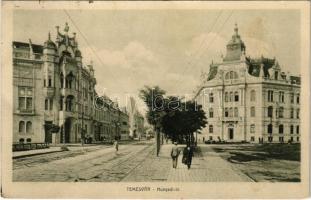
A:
x: 132, y: 163
x: 99, y: 164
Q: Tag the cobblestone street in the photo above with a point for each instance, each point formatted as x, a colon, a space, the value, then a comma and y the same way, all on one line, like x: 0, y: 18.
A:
x: 132, y: 163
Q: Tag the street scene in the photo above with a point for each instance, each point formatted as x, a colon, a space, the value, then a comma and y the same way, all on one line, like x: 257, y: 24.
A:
x: 111, y: 96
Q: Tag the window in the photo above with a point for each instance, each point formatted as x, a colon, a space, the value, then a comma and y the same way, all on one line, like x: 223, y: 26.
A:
x: 211, y: 98
x: 252, y: 128
x: 253, y: 95
x: 226, y: 112
x: 25, y: 99
x: 226, y: 96
x: 211, y: 113
x: 291, y: 98
x: 291, y: 129
x: 28, y: 140
x: 230, y: 112
x: 270, y: 96
x: 297, y: 139
x: 292, y: 113
x: 297, y: 129
x: 210, y: 128
x: 61, y: 80
x: 281, y: 112
x: 281, y: 129
x: 270, y: 128
x: 21, y: 140
x: 29, y: 127
x: 253, y: 111
x: 281, y: 139
x: 236, y: 96
x: 298, y: 113
x: 270, y: 139
x: 252, y: 138
x: 231, y: 96
x: 297, y: 99
x: 44, y: 82
x: 210, y: 137
x: 51, y: 104
x: 61, y: 103
x: 21, y: 127
x: 50, y: 81
x: 281, y: 97
x: 236, y: 112
x: 270, y: 111
x: 46, y: 104
x: 70, y: 103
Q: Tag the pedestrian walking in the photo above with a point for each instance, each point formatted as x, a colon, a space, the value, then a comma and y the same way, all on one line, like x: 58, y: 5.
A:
x: 175, y: 154
x: 116, y: 145
x: 187, y: 156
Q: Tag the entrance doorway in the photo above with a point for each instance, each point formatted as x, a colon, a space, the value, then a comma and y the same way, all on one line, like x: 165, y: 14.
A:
x: 231, y: 133
x: 66, y: 130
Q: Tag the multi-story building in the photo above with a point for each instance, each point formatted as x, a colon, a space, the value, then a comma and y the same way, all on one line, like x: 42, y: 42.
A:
x: 52, y: 87
x: 248, y: 99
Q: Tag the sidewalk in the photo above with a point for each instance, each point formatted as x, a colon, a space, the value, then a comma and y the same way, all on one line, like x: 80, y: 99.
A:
x: 206, y: 167
x: 53, y: 149
x: 20, y: 154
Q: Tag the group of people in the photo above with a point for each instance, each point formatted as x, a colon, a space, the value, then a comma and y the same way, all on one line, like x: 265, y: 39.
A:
x: 187, y: 154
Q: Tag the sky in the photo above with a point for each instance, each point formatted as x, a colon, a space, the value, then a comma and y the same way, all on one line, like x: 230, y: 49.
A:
x: 168, y: 48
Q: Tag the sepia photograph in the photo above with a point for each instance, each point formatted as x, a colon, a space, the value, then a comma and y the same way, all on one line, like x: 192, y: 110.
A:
x: 155, y: 101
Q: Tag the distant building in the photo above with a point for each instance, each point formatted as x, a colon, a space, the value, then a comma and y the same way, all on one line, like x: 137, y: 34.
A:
x: 136, y: 120
x: 247, y: 99
x: 51, y: 86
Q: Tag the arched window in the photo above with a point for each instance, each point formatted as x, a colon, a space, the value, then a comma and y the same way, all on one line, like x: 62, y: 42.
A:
x: 227, y: 76
x: 21, y: 127
x: 69, y: 80
x: 226, y: 96
x: 236, y: 112
x: 253, y: 95
x: 270, y: 128
x: 29, y: 127
x: 270, y: 111
x: 211, y: 113
x: 226, y: 112
x: 281, y: 129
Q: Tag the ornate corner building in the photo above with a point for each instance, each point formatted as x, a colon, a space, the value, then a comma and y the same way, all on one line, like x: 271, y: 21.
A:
x: 248, y: 99
x: 51, y: 86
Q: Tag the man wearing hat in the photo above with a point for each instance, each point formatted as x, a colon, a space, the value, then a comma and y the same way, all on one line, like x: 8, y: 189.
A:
x: 175, y: 154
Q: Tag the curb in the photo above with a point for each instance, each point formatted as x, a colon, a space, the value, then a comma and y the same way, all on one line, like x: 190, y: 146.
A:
x: 35, y: 154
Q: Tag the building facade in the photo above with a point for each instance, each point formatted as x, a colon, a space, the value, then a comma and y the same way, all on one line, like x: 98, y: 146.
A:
x: 51, y: 86
x: 249, y: 99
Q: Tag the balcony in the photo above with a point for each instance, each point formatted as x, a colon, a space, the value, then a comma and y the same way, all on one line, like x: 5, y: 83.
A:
x: 25, y: 111
x: 232, y: 119
x: 68, y: 91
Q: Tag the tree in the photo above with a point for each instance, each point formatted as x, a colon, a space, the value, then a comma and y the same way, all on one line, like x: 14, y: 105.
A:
x: 154, y: 99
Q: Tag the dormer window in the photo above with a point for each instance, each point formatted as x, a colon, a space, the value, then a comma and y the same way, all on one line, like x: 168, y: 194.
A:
x: 276, y: 74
